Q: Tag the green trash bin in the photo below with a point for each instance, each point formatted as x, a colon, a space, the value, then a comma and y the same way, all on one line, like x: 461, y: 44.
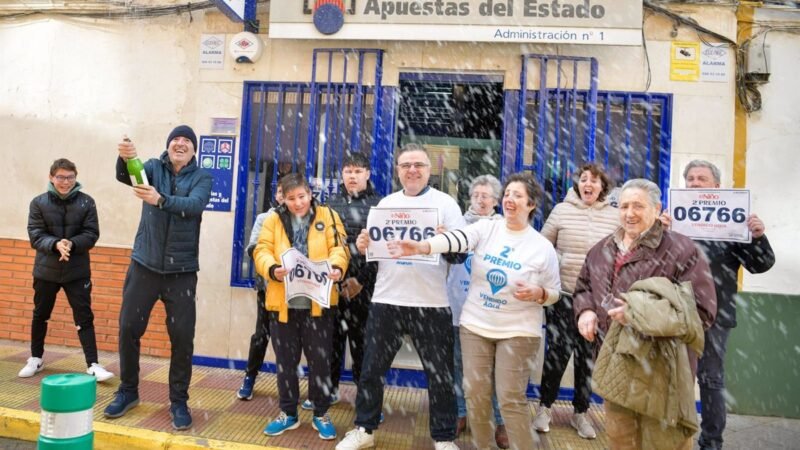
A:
x: 67, y: 411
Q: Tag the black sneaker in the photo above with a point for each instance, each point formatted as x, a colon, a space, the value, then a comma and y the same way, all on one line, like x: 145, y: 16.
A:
x: 122, y: 403
x: 181, y: 416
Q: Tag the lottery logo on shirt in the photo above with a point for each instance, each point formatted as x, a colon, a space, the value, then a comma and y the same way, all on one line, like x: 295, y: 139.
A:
x: 497, y: 280
x: 468, y: 264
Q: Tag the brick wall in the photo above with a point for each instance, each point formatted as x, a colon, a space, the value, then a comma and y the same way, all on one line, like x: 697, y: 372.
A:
x: 109, y: 266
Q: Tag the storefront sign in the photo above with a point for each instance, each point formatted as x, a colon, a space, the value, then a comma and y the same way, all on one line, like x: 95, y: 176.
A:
x: 216, y: 156
x: 389, y: 224
x: 711, y: 214
x: 306, y: 278
x: 605, y: 22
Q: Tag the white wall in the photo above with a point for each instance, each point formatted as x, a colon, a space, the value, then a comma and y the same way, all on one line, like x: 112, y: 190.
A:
x: 773, y: 159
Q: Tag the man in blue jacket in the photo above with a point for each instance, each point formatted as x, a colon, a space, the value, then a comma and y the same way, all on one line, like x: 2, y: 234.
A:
x: 164, y: 265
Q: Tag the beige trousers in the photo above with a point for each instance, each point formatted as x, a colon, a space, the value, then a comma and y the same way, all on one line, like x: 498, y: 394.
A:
x: 509, y: 362
x: 628, y: 430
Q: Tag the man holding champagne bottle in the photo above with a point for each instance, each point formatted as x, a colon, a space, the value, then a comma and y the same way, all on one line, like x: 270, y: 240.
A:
x: 164, y: 264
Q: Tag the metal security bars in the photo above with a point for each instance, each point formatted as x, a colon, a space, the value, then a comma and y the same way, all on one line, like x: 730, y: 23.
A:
x: 309, y: 128
x: 552, y: 139
x: 567, y: 122
x: 632, y: 140
x: 340, y: 111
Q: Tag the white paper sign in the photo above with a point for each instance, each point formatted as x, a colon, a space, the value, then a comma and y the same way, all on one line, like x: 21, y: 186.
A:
x: 306, y: 278
x: 711, y: 214
x: 714, y: 64
x: 389, y: 224
x: 212, y: 51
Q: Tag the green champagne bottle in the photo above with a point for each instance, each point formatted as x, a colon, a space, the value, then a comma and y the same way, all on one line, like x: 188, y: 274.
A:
x: 137, y: 173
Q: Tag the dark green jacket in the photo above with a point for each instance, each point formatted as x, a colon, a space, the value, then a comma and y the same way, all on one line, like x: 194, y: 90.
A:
x: 168, y: 237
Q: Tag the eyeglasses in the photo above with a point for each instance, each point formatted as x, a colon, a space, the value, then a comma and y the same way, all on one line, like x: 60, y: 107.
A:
x: 61, y: 178
x: 417, y: 165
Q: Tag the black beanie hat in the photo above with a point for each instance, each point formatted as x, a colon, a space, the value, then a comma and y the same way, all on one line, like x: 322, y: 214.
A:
x: 183, y: 131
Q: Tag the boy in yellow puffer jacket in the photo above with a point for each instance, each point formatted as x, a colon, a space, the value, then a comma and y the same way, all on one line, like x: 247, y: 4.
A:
x: 301, y: 326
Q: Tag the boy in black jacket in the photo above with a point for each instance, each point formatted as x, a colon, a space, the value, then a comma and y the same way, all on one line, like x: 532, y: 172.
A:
x: 63, y: 227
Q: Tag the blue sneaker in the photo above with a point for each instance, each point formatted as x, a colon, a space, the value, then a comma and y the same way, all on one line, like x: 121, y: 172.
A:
x: 122, y: 403
x: 246, y: 391
x: 280, y: 424
x: 325, y: 427
x: 308, y: 405
x: 181, y: 416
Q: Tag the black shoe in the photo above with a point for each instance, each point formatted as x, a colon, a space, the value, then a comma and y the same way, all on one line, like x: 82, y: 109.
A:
x: 122, y: 403
x: 181, y: 416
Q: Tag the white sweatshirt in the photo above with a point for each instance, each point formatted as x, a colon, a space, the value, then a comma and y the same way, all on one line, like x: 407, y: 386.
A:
x: 405, y: 283
x: 501, y: 258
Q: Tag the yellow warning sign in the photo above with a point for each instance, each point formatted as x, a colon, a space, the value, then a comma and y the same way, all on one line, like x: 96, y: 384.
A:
x: 684, y: 61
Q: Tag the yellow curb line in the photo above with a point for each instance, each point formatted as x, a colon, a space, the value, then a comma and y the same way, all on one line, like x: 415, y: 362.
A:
x: 24, y: 425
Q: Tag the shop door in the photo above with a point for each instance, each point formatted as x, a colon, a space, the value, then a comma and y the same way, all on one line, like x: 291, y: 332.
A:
x: 459, y: 120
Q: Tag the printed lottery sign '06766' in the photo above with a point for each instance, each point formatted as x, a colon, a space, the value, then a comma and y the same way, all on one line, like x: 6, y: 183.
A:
x: 711, y: 214
x: 389, y: 224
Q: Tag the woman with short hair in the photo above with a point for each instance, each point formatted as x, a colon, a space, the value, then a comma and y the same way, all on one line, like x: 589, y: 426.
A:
x: 514, y: 273
x: 651, y: 406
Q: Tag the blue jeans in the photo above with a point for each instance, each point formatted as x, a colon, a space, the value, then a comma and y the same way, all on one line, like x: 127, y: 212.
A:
x: 711, y: 378
x: 459, y: 379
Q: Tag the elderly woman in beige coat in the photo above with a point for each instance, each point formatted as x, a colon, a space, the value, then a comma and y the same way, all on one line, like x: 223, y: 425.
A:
x: 574, y: 227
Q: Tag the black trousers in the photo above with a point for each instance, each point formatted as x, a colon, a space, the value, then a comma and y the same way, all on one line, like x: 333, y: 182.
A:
x: 563, y: 340
x: 79, y: 296
x: 260, y: 338
x: 351, y: 323
x: 313, y: 336
x: 140, y: 292
x: 431, y: 331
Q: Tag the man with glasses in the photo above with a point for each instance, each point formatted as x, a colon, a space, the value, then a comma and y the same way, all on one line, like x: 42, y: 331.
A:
x: 409, y: 299
x: 63, y: 227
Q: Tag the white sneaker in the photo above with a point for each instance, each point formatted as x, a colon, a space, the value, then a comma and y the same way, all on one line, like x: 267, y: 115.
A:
x: 581, y: 423
x: 32, y: 367
x: 542, y: 420
x: 445, y: 445
x: 99, y: 372
x: 356, y: 439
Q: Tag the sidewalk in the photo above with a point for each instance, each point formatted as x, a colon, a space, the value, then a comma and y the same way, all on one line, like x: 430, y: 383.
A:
x: 222, y: 421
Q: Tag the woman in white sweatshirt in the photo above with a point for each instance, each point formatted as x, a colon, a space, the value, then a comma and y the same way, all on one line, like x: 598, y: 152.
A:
x: 514, y: 274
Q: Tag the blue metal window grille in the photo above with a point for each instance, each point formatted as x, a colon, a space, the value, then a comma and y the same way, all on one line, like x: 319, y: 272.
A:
x: 308, y: 128
x: 557, y: 129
